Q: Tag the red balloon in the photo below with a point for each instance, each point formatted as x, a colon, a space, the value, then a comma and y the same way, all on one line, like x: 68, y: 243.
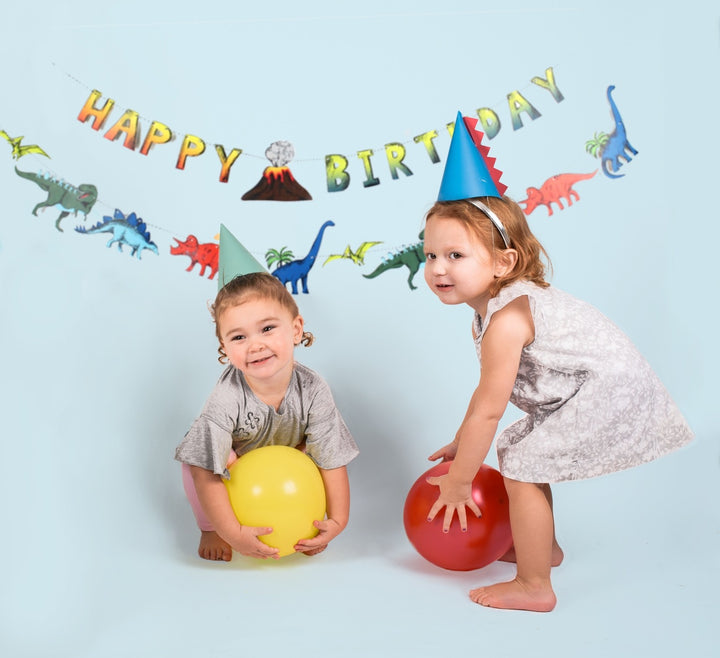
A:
x: 487, y: 538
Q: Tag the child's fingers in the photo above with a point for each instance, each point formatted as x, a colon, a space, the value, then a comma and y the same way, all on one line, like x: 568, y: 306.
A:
x: 313, y: 541
x: 265, y: 551
x: 474, y: 508
x: 440, y: 454
x: 261, y: 531
x: 262, y: 550
x: 437, y: 506
x: 317, y: 540
x: 462, y: 517
x: 449, y: 513
x: 311, y: 546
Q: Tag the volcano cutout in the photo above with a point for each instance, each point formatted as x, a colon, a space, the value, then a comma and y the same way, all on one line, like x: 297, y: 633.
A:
x: 277, y: 182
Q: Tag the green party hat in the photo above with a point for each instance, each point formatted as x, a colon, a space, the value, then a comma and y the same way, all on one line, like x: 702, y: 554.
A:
x: 234, y: 259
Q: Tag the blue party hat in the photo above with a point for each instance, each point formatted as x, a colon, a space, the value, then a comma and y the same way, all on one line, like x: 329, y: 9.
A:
x: 469, y: 171
x: 234, y: 259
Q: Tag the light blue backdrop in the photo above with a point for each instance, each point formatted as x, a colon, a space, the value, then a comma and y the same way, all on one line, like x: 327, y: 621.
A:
x: 107, y: 359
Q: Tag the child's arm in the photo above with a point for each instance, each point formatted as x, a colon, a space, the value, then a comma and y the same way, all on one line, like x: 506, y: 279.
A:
x: 213, y: 497
x: 337, y: 494
x: 510, y: 330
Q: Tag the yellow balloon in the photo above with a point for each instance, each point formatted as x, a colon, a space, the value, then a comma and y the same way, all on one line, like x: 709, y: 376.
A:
x: 280, y: 488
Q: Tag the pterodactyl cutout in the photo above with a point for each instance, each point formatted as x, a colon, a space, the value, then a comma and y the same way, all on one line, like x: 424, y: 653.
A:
x: 357, y: 257
x: 18, y: 150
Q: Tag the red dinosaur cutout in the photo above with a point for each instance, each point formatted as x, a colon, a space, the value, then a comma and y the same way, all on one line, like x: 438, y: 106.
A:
x: 206, y: 254
x: 552, y: 191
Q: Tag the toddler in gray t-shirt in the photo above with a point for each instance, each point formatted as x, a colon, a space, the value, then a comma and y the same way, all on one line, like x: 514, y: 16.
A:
x: 263, y: 398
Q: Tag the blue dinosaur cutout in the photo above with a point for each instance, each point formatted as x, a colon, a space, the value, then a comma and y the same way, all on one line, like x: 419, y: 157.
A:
x: 130, y: 230
x: 298, y: 270
x: 617, y: 145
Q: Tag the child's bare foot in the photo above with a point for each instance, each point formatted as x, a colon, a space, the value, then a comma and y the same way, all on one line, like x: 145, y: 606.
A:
x: 556, y: 560
x: 212, y: 547
x: 515, y: 595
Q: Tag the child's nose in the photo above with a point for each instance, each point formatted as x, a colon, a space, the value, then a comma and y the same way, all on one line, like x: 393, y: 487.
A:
x: 256, y: 343
x: 437, y: 266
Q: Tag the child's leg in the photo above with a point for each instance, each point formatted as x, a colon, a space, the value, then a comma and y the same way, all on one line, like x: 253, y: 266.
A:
x: 212, y: 546
x: 189, y: 486
x: 557, y: 553
x: 532, y: 524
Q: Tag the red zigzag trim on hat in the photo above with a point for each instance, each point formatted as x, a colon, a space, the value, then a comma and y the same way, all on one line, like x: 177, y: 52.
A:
x: 477, y: 136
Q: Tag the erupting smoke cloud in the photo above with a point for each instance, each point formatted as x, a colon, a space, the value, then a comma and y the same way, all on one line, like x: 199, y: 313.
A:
x: 280, y: 153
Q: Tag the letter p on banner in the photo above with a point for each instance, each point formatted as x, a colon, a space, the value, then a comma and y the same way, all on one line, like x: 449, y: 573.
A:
x: 192, y: 146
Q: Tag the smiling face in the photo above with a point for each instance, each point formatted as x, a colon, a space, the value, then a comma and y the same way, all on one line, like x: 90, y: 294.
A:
x: 459, y: 269
x: 259, y: 336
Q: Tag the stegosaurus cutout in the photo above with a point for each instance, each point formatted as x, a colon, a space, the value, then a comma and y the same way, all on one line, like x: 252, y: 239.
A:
x: 130, y: 230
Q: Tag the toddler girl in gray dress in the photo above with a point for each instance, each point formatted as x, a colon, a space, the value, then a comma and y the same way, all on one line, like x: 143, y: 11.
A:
x: 593, y: 405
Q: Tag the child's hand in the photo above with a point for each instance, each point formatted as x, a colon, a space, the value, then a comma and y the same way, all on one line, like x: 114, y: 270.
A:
x: 247, y: 543
x: 329, y: 529
x: 446, y: 453
x: 453, y: 497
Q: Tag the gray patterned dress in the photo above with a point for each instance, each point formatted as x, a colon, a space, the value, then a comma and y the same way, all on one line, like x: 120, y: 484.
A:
x: 593, y: 403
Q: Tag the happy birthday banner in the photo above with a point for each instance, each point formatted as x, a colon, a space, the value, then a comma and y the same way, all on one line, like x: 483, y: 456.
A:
x: 127, y: 227
x: 97, y: 113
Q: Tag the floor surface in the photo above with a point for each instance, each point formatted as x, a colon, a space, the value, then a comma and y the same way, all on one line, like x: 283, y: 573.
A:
x: 640, y: 579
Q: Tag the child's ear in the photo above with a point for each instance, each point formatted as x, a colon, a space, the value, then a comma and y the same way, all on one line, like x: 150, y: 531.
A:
x: 505, y: 262
x: 298, y: 329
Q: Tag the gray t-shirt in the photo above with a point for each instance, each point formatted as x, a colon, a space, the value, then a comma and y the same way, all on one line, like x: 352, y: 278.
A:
x: 235, y: 419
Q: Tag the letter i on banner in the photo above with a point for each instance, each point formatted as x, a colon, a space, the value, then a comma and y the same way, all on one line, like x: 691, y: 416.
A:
x: 370, y: 179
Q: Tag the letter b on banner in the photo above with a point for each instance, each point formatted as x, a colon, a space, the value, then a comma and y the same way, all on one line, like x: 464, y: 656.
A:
x: 337, y: 177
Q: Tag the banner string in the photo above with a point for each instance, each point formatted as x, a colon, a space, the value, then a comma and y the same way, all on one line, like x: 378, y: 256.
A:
x: 494, y: 107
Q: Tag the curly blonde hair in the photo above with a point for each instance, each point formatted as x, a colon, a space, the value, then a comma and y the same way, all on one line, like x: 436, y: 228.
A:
x: 530, y: 252
x: 257, y: 285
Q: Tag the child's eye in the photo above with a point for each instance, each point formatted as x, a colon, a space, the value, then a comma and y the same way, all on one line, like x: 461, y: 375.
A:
x: 429, y: 256
x: 269, y: 327
x: 238, y: 337
x: 455, y: 255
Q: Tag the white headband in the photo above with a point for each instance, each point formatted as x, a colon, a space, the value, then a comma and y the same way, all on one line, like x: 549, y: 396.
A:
x: 494, y: 219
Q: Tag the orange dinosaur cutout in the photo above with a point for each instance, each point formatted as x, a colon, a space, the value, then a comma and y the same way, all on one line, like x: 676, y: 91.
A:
x: 552, y: 191
x: 206, y: 254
